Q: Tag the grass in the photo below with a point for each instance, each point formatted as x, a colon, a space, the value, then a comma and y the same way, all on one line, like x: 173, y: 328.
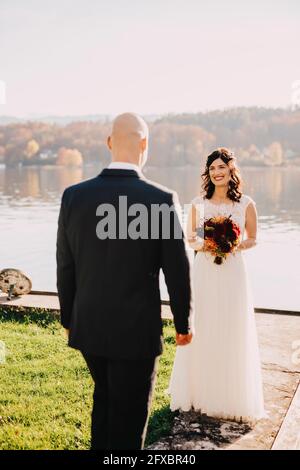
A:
x: 46, y: 389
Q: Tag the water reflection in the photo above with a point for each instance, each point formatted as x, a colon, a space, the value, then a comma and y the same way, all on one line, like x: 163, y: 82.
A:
x: 275, y: 190
x: 44, y: 183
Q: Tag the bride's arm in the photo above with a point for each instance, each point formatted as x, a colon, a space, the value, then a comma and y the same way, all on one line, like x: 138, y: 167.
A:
x: 250, y: 227
x: 191, y: 233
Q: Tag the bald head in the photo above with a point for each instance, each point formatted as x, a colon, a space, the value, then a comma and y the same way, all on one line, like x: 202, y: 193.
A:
x: 129, y: 139
x: 128, y: 126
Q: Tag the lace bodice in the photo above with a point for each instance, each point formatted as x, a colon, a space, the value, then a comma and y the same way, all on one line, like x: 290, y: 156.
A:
x: 206, y: 209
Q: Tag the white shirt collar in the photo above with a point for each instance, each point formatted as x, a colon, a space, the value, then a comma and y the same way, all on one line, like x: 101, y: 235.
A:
x: 124, y: 166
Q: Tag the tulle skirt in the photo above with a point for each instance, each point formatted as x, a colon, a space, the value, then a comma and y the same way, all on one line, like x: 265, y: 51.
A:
x: 219, y: 373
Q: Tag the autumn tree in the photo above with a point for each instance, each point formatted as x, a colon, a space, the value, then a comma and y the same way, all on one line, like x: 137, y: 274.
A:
x: 69, y: 157
x: 274, y: 154
x: 31, y: 149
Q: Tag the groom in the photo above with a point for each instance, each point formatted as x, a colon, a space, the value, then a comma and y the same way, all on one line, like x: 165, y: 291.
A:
x: 108, y: 284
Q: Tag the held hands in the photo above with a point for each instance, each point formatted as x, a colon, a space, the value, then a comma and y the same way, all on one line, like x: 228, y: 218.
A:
x: 183, y: 340
x: 67, y: 332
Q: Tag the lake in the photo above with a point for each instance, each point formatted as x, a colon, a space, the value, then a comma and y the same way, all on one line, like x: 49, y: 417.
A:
x: 30, y: 200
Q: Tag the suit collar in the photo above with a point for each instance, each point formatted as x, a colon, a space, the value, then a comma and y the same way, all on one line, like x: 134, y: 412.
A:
x: 123, y: 166
x: 119, y: 172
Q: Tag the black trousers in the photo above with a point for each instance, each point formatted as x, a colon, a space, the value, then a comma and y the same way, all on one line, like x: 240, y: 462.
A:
x: 122, y: 400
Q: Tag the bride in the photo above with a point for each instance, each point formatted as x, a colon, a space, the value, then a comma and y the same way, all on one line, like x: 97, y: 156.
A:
x: 219, y: 373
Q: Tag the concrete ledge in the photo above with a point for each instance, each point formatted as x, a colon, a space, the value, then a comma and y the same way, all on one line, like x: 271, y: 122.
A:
x: 49, y: 300
x: 36, y: 301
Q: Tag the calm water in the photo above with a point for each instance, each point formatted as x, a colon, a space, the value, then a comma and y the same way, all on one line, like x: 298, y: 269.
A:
x: 29, y: 205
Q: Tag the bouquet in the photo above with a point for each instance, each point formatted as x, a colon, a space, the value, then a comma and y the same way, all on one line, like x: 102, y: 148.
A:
x: 221, y: 236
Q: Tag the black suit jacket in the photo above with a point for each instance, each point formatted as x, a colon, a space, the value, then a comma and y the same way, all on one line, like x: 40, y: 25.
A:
x: 109, y: 289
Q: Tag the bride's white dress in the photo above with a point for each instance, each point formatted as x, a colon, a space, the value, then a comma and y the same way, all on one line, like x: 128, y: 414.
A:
x: 219, y: 373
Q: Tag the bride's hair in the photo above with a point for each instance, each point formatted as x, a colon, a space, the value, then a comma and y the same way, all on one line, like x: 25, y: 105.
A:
x: 234, y: 189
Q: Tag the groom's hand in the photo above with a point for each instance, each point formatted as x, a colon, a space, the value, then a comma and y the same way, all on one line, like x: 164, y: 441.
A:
x: 67, y: 332
x: 183, y: 340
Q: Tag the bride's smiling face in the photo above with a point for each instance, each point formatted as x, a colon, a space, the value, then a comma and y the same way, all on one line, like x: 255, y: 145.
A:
x: 219, y: 173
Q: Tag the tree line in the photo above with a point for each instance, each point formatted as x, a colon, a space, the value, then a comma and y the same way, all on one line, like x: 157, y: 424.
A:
x: 258, y: 136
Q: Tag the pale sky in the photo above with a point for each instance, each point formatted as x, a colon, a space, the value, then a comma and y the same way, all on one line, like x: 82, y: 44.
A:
x: 149, y: 56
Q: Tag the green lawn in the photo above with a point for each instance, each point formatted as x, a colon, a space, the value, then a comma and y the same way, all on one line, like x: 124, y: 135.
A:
x: 46, y: 389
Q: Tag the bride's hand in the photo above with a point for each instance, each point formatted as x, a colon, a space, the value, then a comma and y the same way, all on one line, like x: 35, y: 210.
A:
x: 195, y: 243
x: 246, y: 244
x: 192, y: 238
x: 201, y: 247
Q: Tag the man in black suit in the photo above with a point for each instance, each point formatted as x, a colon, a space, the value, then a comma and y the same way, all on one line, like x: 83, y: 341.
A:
x: 108, y: 265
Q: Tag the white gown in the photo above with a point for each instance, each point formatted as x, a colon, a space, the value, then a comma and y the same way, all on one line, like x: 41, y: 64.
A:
x: 219, y: 373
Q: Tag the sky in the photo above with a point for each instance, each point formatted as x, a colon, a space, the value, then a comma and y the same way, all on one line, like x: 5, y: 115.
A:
x: 78, y: 57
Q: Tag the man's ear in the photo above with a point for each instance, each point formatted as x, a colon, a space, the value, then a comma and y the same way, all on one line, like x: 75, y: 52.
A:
x: 144, y: 143
x: 109, y: 142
